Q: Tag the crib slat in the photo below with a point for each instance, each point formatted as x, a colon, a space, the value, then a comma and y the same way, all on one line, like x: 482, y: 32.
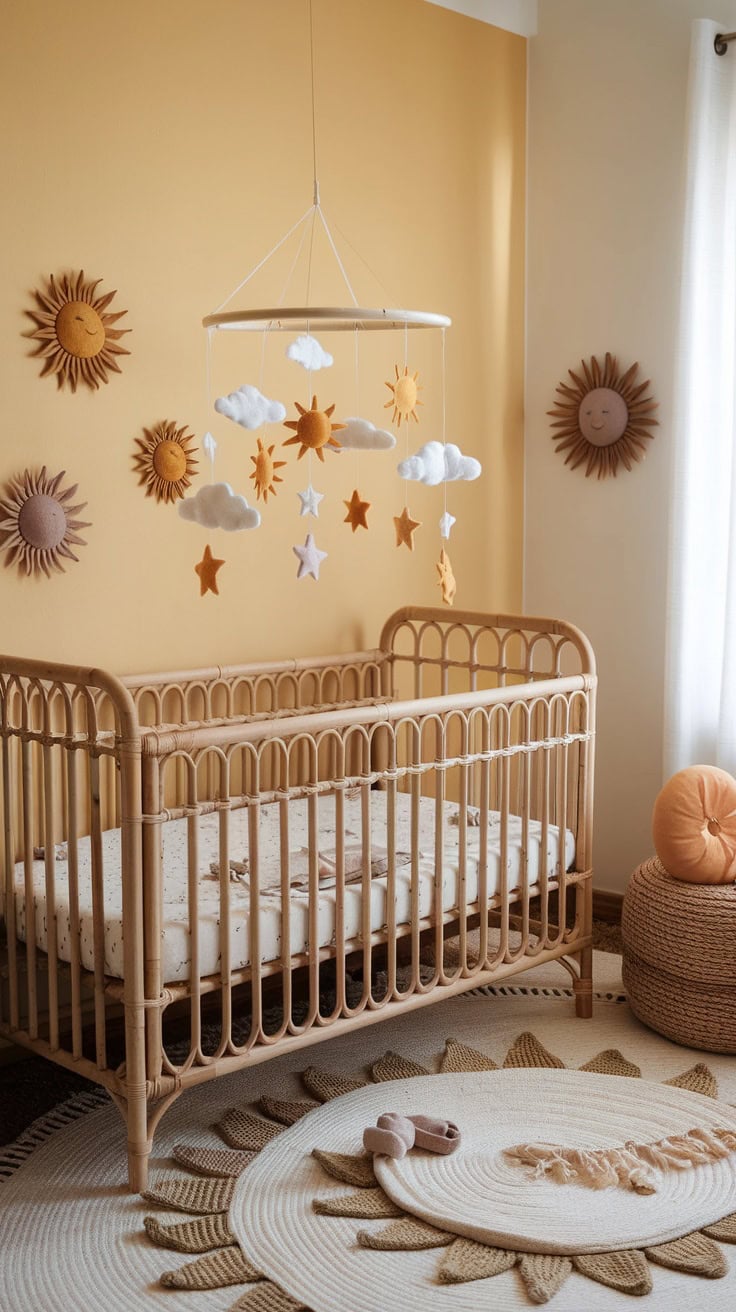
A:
x: 226, y: 985
x: 98, y: 909
x: 72, y: 848
x: 284, y: 847
x: 152, y: 908
x: 27, y: 785
x: 195, y: 1012
x: 254, y: 904
x: 52, y: 946
x: 8, y: 793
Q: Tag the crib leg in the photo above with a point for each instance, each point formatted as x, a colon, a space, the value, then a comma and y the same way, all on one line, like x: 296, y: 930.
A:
x: 583, y: 987
x: 139, y: 1144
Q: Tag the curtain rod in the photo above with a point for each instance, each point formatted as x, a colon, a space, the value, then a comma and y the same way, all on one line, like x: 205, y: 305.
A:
x: 720, y: 45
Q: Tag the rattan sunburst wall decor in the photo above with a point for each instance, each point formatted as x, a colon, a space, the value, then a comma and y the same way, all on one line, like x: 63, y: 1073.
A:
x: 603, y: 417
x: 38, y: 525
x: 165, y: 460
x: 75, y: 333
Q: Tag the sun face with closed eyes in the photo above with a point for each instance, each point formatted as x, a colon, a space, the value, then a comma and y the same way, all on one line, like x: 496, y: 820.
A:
x: 75, y: 333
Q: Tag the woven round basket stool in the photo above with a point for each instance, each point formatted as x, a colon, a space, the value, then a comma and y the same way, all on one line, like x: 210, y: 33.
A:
x: 679, y: 962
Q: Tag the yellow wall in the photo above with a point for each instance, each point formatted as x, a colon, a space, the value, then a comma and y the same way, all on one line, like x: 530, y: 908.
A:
x: 165, y: 145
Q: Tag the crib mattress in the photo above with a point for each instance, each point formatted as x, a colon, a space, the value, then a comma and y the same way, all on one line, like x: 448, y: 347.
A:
x: 176, y: 937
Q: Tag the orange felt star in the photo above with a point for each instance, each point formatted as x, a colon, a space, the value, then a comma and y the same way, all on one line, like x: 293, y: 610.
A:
x: 357, y: 511
x: 406, y: 528
x: 446, y: 579
x: 207, y: 571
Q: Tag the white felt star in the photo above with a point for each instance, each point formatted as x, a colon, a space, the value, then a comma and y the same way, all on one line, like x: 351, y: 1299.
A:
x: 209, y: 446
x: 310, y: 501
x: 446, y: 524
x: 310, y: 558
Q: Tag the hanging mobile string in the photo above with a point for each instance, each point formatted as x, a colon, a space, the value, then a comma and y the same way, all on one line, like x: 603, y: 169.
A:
x: 443, y: 332
x: 209, y: 443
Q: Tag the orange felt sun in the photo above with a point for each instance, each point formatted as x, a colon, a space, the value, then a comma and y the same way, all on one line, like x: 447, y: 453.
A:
x: 74, y: 331
x: 404, y: 397
x: 165, y: 461
x: 264, y: 475
x: 313, y: 429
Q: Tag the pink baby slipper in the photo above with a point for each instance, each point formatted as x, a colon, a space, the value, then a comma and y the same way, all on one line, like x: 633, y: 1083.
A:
x: 393, y: 1135
x: 435, y: 1135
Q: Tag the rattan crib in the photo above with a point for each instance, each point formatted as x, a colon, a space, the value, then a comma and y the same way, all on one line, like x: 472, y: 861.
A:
x: 272, y: 854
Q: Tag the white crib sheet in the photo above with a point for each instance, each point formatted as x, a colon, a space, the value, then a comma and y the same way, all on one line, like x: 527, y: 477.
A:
x: 176, y: 950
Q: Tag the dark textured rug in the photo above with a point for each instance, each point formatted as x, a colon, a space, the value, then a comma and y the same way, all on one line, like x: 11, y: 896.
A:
x: 31, y: 1086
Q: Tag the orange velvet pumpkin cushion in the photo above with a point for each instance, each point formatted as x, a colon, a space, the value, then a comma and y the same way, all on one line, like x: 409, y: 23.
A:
x: 694, y: 825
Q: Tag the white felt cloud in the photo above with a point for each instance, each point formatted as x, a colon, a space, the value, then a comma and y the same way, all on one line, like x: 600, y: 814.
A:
x: 217, y: 506
x: 307, y: 351
x: 437, y: 463
x: 362, y: 435
x: 250, y: 408
x: 209, y: 446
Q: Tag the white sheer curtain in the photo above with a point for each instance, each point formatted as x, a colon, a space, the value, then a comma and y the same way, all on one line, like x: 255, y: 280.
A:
x: 700, y: 682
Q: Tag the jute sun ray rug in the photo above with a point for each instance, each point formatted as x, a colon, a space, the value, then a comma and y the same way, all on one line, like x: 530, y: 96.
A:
x: 72, y: 1238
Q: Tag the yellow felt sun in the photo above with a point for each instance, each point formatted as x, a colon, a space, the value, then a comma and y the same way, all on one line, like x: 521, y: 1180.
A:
x: 38, y: 526
x: 404, y: 398
x: 75, y: 334
x: 264, y: 475
x: 604, y: 418
x: 313, y: 429
x: 165, y: 461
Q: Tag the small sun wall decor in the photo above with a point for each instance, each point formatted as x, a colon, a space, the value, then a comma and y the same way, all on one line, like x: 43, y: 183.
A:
x: 603, y: 418
x: 165, y: 461
x: 357, y: 511
x: 207, y: 570
x: 38, y: 525
x: 314, y: 429
x: 75, y: 333
x: 264, y: 475
x: 404, y: 396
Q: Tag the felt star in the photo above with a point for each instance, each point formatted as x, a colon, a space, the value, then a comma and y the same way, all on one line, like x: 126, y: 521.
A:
x: 406, y: 528
x: 357, y: 511
x: 310, y: 558
x: 446, y: 578
x: 310, y: 501
x: 446, y: 524
x: 207, y: 571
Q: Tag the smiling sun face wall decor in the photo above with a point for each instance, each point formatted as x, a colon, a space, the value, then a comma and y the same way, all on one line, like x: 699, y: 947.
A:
x: 75, y: 333
x: 604, y: 418
x: 165, y: 461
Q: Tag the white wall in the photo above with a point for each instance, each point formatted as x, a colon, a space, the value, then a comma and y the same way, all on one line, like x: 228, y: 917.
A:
x: 606, y: 114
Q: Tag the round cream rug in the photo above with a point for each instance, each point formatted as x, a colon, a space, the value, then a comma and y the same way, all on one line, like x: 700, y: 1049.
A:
x: 72, y: 1237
